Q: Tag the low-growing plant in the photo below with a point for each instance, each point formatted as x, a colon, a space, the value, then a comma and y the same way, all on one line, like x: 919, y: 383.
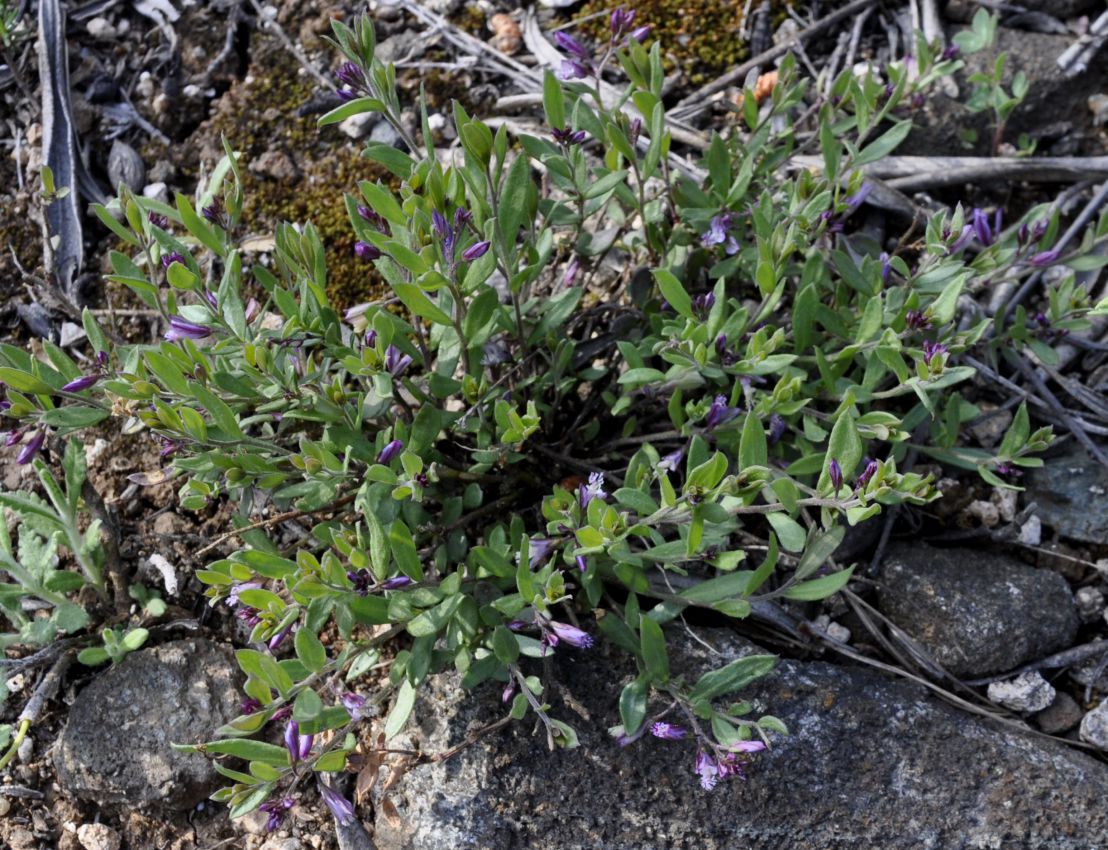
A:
x: 590, y: 399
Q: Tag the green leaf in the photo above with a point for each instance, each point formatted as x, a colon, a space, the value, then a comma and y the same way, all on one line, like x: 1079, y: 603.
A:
x: 249, y: 750
x: 416, y: 300
x: 307, y: 705
x: 553, y: 101
x: 653, y: 647
x: 674, y: 292
x: 733, y: 677
x: 350, y: 108
x: 883, y: 145
x: 632, y: 705
x: 820, y: 588
x: 401, y: 710
x: 821, y: 545
x: 505, y: 645
x: 752, y: 445
x: 309, y: 650
x: 789, y: 531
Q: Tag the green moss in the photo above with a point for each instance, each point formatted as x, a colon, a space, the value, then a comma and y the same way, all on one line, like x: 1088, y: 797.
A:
x: 703, y: 37
x: 262, y: 115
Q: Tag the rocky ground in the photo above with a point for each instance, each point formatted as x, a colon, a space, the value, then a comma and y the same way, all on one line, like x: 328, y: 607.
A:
x: 952, y: 699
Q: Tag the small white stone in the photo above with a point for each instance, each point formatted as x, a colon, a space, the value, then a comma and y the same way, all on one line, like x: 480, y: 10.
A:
x: 26, y: 750
x: 436, y: 121
x: 1031, y: 532
x: 358, y: 126
x: 94, y: 452
x: 1090, y: 603
x: 156, y: 192
x: 1094, y: 727
x: 1007, y: 502
x: 984, y: 512
x: 98, y: 836
x: 145, y: 87
x: 191, y: 91
x: 1026, y: 693
x: 101, y: 28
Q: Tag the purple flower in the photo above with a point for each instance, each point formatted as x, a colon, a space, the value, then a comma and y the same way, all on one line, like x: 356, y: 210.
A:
x: 354, y: 705
x: 641, y: 34
x: 540, y: 547
x: 570, y: 634
x: 211, y: 298
x: 233, y: 600
x: 213, y: 212
x: 249, y: 706
x: 634, y: 131
x: 707, y: 771
x: 669, y: 462
x: 622, y: 19
x: 963, y: 240
x: 345, y: 95
x: 279, y: 638
x: 292, y: 740
x: 593, y: 490
x: 858, y: 198
x: 730, y: 765
x: 396, y: 361
x: 776, y: 429
x: 180, y: 329
x: 374, y: 218
x: 719, y: 412
x: 31, y: 448
x: 158, y: 220
x: 306, y: 742
x: 361, y: 579
x: 916, y: 320
x: 867, y: 473
x: 350, y: 74
x: 1045, y: 258
x: 171, y: 258
x: 716, y: 234
x: 667, y: 731
x: 747, y: 747
x: 571, y: 273
x: 702, y: 305
x: 949, y: 52
x: 81, y: 383
x: 462, y: 217
x: 570, y: 45
x: 582, y: 563
x: 835, y: 473
x: 340, y: 807
x: 571, y: 69
x: 931, y: 350
x: 390, y: 451
x: 276, y: 810
x: 366, y: 251
x: 475, y: 251
x: 251, y: 311
x: 885, y: 266
x: 566, y: 136
x: 395, y: 583
x: 169, y: 448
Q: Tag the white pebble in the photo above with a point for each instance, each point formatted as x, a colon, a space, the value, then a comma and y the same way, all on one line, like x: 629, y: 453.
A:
x: 157, y: 192
x: 1094, y: 727
x: 1026, y: 693
x: 1090, y: 602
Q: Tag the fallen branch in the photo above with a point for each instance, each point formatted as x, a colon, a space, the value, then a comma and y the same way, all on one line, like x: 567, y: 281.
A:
x: 1076, y: 58
x: 912, y: 173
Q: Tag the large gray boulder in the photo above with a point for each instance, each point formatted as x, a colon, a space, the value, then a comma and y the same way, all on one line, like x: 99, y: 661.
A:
x: 872, y: 762
x: 975, y: 612
x: 1071, y: 496
x: 116, y: 746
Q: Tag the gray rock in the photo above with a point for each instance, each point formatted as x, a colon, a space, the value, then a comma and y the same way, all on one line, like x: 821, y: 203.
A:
x: 384, y: 133
x: 976, y: 613
x: 1094, y: 727
x: 1062, y: 715
x: 872, y: 762
x: 1027, y: 693
x: 1072, y: 496
x: 116, y: 746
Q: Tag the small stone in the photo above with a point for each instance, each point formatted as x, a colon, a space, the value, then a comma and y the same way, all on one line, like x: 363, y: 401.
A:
x: 984, y: 512
x: 1060, y: 716
x: 22, y: 838
x: 98, y: 836
x: 1090, y: 603
x: 1072, y: 496
x: 156, y: 192
x: 436, y: 121
x: 991, y: 430
x: 26, y: 750
x: 282, y: 844
x: 1094, y: 727
x: 145, y: 87
x: 358, y: 126
x: 1007, y: 503
x: 192, y: 91
x: 94, y: 452
x: 276, y: 164
x: 101, y: 29
x: 125, y: 166
x: 1031, y: 532
x: 254, y: 822
x: 5, y: 806
x: 1026, y: 693
x: 384, y: 133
